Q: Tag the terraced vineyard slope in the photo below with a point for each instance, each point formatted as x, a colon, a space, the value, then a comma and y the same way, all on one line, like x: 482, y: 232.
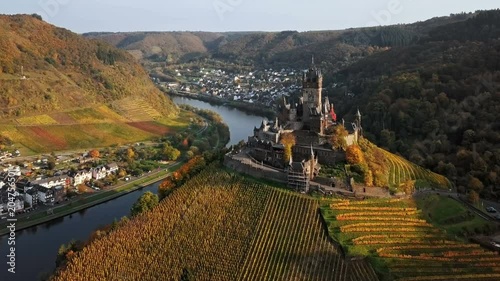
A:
x: 404, y: 246
x: 374, y: 166
x: 219, y: 226
x: 53, y: 81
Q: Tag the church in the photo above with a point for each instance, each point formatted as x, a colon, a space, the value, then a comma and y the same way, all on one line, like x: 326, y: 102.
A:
x: 310, y: 119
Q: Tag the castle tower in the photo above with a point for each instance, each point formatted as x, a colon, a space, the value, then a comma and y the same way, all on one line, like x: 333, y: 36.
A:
x: 312, y: 84
x: 358, y: 119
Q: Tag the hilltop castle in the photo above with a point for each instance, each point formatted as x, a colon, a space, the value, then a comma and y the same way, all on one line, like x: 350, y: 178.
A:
x: 310, y: 119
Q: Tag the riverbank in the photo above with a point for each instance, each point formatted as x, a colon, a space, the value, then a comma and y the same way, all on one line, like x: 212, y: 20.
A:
x: 243, y: 106
x: 30, y: 219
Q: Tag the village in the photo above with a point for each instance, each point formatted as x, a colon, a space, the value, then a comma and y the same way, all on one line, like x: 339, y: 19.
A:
x: 259, y: 87
x: 49, y: 187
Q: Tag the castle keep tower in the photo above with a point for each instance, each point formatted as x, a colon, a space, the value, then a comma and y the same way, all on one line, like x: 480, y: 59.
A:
x: 312, y: 84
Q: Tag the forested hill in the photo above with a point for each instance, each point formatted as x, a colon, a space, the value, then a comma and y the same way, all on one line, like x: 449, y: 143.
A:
x: 271, y: 49
x: 64, y: 71
x: 435, y: 101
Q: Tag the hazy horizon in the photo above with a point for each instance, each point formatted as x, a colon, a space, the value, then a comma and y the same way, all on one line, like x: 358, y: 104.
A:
x: 236, y: 15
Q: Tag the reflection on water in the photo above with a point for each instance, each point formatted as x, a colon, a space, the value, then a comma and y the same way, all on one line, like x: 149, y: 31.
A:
x: 240, y: 124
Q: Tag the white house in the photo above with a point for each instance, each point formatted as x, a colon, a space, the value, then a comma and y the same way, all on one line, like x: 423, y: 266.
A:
x: 99, y: 173
x: 81, y: 177
x: 112, y: 168
x: 53, y: 182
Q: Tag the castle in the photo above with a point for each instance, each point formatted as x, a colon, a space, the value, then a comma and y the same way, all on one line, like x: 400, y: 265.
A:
x: 310, y: 119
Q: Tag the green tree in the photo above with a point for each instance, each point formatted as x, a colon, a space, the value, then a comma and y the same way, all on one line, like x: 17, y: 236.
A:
x: 170, y: 153
x: 145, y: 203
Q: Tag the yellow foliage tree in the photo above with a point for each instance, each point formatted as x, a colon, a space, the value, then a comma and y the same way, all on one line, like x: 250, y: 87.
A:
x: 354, y: 155
x: 338, y: 138
x: 288, y: 140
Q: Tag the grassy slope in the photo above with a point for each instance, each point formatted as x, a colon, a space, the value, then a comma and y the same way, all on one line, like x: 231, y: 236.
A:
x: 450, y: 215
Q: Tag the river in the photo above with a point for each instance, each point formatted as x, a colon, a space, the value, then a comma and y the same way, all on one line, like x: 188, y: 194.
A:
x: 36, y: 247
x: 240, y: 123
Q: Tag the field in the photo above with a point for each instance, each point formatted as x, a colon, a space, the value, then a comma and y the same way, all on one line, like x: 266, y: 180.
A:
x: 86, y: 128
x: 219, y: 226
x: 136, y: 110
x: 455, y: 218
x: 402, y: 171
x: 151, y: 127
x: 402, y: 245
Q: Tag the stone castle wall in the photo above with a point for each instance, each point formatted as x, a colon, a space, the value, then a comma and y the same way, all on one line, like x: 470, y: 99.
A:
x: 254, y: 170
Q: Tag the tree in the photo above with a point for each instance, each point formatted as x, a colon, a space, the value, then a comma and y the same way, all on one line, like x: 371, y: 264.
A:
x: 82, y: 188
x: 94, y: 153
x: 473, y: 197
x: 166, y: 188
x: 170, y: 153
x: 145, y: 203
x: 130, y: 153
x: 288, y: 141
x: 338, y: 138
x: 354, y: 155
x: 475, y: 184
x: 122, y: 173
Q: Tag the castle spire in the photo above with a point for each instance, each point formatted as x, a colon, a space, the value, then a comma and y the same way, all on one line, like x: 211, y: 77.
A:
x: 312, y: 61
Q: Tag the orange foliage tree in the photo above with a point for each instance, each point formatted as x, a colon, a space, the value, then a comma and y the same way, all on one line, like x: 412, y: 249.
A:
x: 288, y: 140
x: 94, y: 153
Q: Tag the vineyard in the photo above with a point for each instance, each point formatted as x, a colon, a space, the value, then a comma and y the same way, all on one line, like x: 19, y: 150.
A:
x: 37, y: 120
x: 219, y: 226
x: 136, y: 110
x: 403, y: 171
x: 404, y: 246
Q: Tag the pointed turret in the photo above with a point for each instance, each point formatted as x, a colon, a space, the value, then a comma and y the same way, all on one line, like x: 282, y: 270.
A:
x: 358, y: 114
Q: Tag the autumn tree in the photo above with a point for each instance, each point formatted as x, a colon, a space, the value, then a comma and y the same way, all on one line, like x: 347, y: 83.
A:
x: 130, y: 153
x: 354, y: 155
x: 94, y: 153
x: 166, y: 187
x: 475, y: 184
x: 338, y: 138
x: 170, y: 153
x: 288, y: 141
x: 473, y: 197
x: 146, y: 202
x: 82, y: 188
x: 122, y: 173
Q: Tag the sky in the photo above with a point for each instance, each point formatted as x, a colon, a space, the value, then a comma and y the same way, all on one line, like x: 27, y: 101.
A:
x: 236, y: 15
